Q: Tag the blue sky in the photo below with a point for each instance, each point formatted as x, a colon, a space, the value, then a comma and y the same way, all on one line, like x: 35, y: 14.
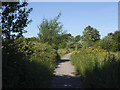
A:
x: 75, y: 16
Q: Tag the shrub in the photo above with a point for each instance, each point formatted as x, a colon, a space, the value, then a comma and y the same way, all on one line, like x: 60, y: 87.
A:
x: 111, y: 42
x: 27, y: 64
x: 98, y: 68
x: 62, y: 52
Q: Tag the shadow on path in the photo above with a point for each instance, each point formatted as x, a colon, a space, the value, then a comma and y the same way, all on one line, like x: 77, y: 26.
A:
x: 64, y: 75
x: 67, y: 81
x: 64, y: 60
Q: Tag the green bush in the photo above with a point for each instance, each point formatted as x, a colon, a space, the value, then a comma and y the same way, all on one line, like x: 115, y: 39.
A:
x: 110, y: 42
x: 62, y: 52
x: 27, y: 64
x: 98, y: 68
x: 107, y: 43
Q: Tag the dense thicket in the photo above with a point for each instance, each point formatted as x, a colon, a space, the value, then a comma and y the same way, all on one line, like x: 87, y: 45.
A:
x: 98, y: 61
x: 97, y: 68
x: 27, y: 63
x: 111, y: 42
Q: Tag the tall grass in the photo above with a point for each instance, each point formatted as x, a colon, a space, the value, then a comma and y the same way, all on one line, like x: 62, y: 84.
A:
x: 97, y: 67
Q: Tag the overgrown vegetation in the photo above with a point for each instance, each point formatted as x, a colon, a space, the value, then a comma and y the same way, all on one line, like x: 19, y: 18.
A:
x: 27, y: 62
x: 111, y: 42
x: 30, y: 62
x: 64, y: 51
x: 98, y: 63
x: 97, y: 67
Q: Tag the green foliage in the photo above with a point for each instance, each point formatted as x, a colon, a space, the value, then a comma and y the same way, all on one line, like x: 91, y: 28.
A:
x: 106, y: 43
x: 64, y: 51
x: 34, y: 39
x: 69, y: 41
x: 90, y: 35
x: 27, y: 63
x: 30, y: 62
x: 77, y: 38
x: 14, y: 19
x: 50, y: 31
x: 116, y: 38
x: 111, y: 42
x: 97, y: 68
x: 66, y: 39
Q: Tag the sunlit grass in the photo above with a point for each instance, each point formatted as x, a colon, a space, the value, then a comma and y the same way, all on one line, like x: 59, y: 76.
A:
x: 97, y: 67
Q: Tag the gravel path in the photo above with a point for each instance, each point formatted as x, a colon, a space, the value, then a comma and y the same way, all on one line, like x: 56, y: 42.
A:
x: 64, y: 77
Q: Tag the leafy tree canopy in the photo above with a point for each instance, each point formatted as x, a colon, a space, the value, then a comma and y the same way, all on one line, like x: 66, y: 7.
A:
x: 14, y: 19
x: 77, y: 38
x: 90, y: 35
x: 51, y: 31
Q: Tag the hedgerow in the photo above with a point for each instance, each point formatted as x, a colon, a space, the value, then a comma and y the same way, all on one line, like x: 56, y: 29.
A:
x: 28, y: 64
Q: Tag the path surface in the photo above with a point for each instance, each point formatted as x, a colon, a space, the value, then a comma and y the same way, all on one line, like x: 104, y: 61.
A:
x: 64, y: 77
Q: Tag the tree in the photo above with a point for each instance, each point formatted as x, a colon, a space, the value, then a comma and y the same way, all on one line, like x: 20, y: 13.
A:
x: 90, y: 35
x: 116, y: 38
x: 14, y: 19
x: 77, y: 38
x: 106, y: 43
x: 64, y: 39
x: 69, y: 41
x: 50, y: 31
x: 111, y: 42
x: 110, y: 34
x: 75, y: 42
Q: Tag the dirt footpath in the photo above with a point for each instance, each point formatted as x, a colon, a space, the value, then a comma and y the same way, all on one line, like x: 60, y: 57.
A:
x: 64, y: 77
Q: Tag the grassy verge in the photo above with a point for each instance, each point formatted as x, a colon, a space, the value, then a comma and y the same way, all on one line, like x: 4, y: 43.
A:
x: 97, y: 67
